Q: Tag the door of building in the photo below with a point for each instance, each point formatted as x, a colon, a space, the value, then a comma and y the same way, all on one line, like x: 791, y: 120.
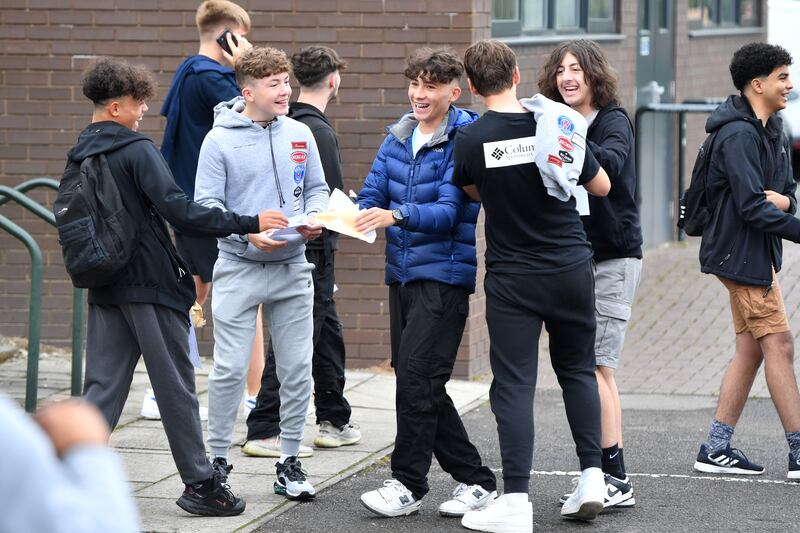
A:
x: 655, y: 79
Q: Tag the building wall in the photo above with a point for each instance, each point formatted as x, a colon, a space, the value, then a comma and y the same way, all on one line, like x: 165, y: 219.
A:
x: 45, y: 46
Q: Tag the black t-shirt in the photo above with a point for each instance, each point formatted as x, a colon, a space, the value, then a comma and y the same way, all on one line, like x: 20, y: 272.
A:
x: 527, y: 230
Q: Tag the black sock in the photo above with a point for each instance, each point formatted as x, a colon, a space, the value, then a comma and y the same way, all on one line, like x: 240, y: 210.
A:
x: 622, y: 463
x: 611, y: 463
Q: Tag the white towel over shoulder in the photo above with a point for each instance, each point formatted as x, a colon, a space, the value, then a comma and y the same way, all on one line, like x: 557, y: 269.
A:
x: 560, y: 144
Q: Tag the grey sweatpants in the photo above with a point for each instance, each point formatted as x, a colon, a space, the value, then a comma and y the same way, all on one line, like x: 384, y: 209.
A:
x: 116, y: 336
x: 287, y: 292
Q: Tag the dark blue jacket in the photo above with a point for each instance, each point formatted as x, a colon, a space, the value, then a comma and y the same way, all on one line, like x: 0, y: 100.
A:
x: 199, y: 84
x: 437, y: 240
x: 612, y: 225
x: 742, y: 241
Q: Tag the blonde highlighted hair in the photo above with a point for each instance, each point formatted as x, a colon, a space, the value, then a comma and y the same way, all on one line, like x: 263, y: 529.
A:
x: 214, y: 13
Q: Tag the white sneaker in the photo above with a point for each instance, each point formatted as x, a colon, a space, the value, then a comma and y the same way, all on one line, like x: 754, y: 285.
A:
x: 330, y: 436
x: 393, y: 499
x: 586, y: 501
x: 466, y: 498
x: 500, y: 517
x: 271, y: 447
x: 150, y: 408
x: 248, y: 404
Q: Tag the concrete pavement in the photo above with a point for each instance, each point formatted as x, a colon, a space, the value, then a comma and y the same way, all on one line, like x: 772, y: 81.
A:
x: 678, y: 346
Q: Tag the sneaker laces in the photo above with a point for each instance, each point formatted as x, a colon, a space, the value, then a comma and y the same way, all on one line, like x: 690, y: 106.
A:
x: 459, y: 490
x: 292, y: 470
x: 391, y: 489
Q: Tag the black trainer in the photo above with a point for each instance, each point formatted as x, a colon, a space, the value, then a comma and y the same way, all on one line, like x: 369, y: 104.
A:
x: 222, y: 468
x: 212, y: 497
x: 794, y: 468
x: 291, y: 480
x: 727, y: 461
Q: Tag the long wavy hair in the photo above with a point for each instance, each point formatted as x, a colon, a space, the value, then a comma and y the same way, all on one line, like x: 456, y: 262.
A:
x: 598, y: 72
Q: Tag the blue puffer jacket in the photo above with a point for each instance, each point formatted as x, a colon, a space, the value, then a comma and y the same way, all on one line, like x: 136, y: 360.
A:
x: 437, y: 241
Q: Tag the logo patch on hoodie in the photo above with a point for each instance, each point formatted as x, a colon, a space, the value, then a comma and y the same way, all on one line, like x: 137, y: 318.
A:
x: 299, y: 157
x: 299, y: 173
x: 565, y: 125
x: 299, y: 145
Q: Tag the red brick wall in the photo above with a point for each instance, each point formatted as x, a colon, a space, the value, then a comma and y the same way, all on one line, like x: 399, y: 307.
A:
x: 45, y: 45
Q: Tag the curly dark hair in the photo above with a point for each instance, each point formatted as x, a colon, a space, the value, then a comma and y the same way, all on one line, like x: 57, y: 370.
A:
x: 436, y: 65
x: 109, y: 78
x: 261, y: 62
x: 757, y: 60
x: 490, y: 66
x: 312, y: 64
x: 600, y: 76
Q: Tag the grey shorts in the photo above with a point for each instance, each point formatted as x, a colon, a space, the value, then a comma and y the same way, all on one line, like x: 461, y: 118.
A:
x: 615, y: 283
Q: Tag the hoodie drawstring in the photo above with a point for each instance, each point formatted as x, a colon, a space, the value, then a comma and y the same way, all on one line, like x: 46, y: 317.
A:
x: 275, y: 168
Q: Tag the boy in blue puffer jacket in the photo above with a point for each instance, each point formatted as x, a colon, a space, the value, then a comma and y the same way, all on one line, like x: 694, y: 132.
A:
x: 430, y: 269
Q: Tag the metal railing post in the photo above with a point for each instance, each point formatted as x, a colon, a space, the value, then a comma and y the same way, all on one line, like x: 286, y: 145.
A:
x: 77, y: 295
x: 34, y: 311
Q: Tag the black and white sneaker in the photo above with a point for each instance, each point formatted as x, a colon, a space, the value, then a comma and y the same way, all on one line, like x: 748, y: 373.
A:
x: 221, y: 468
x: 392, y: 499
x: 727, y: 461
x: 619, y: 493
x: 210, y: 498
x: 794, y: 468
x: 291, y: 480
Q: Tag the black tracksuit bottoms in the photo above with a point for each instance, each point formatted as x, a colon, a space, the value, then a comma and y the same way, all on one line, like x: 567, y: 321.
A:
x: 327, y: 364
x: 117, y: 335
x: 426, y: 321
x: 516, y: 307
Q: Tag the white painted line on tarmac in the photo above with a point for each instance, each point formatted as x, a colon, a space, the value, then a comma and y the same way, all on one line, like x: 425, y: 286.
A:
x: 743, y: 479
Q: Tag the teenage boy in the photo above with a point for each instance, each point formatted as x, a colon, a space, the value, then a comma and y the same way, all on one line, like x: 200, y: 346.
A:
x: 317, y: 69
x: 538, y: 270
x: 146, y: 311
x: 201, y: 82
x: 578, y: 74
x: 751, y: 186
x: 430, y: 270
x: 256, y: 156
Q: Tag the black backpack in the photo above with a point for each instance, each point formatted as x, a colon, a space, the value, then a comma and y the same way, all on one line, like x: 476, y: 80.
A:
x: 694, y: 209
x: 97, y: 233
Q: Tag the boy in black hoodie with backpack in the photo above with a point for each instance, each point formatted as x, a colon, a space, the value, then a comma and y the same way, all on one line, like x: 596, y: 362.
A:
x: 750, y: 188
x: 145, y: 310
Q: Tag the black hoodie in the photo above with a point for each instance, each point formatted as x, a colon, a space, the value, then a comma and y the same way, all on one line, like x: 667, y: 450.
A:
x: 156, y: 274
x: 742, y: 242
x: 612, y: 225
x: 328, y: 146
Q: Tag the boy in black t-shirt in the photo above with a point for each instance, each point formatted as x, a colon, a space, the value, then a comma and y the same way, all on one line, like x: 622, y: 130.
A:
x: 539, y: 270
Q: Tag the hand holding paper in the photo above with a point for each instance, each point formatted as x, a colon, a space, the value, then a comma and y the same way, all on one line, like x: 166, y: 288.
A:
x: 341, y: 217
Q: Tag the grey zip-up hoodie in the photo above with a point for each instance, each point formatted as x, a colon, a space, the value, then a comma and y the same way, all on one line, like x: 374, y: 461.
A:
x: 246, y: 168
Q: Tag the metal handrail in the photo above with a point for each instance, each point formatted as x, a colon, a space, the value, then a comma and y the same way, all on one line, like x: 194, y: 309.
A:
x: 77, y: 296
x: 34, y: 310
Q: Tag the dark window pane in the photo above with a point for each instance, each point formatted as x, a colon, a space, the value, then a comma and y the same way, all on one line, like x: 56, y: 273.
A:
x: 748, y: 13
x: 567, y: 14
x: 727, y: 12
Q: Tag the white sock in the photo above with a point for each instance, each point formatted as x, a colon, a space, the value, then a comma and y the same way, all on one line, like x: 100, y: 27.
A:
x: 283, y: 458
x: 516, y: 499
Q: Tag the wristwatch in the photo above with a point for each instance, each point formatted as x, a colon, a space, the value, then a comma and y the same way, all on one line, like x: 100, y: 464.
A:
x: 399, y: 219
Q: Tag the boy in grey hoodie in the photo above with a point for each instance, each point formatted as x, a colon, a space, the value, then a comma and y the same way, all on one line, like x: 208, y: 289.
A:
x: 256, y: 156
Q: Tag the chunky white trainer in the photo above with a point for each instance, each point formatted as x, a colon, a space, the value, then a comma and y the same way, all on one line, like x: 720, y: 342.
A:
x: 330, y: 436
x: 466, y: 498
x: 150, y: 408
x: 271, y: 447
x: 292, y: 481
x: 586, y: 501
x: 500, y: 516
x: 393, y: 499
x: 619, y: 493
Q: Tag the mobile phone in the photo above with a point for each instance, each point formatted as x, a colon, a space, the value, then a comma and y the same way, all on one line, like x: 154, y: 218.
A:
x: 222, y: 40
